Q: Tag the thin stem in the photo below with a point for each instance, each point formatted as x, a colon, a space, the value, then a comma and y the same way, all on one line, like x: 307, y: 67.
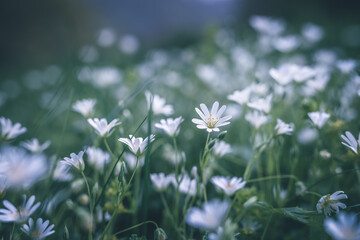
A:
x: 108, y: 148
x: 91, y: 204
x: 271, y: 177
x: 12, y: 231
x: 177, y: 194
x: 266, y: 228
x: 135, y: 226
x: 167, y: 209
x: 203, y: 163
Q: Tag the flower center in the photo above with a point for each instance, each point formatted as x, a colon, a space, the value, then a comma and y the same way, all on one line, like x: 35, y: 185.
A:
x: 228, y: 186
x: 38, y: 234
x: 211, y: 121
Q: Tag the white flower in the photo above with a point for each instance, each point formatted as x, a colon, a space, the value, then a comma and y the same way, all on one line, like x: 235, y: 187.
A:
x: 211, y: 121
x: 97, y: 157
x: 319, y: 118
x: 3, y: 184
x: 261, y: 104
x: 344, y: 228
x: 256, y: 119
x: 158, y: 104
x: 62, y: 173
x: 137, y: 145
x: 106, y: 76
x: 10, y: 131
x: 170, y: 125
x: 241, y: 97
x: 286, y: 44
x: 312, y: 33
x: 130, y: 160
x: 210, y: 217
x: 21, y: 214
x: 39, y: 231
x: 227, y: 184
x: 267, y: 25
x: 221, y: 148
x: 304, y: 73
x: 128, y: 44
x: 346, y: 66
x: 284, y: 74
x: 160, y: 181
x: 351, y: 142
x: 22, y: 169
x: 283, y: 128
x: 85, y: 107
x: 75, y: 160
x: 34, y: 146
x: 330, y: 203
x: 102, y: 128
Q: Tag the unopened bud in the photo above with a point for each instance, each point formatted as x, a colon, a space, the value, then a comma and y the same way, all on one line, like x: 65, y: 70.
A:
x: 66, y: 233
x: 160, y: 234
x: 222, y: 135
x: 122, y: 171
x: 211, y: 144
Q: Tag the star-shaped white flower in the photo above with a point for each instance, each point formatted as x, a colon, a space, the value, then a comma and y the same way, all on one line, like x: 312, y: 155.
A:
x: 39, y: 231
x: 137, y: 145
x: 351, y: 142
x: 211, y: 121
x: 170, y: 125
x: 227, y: 184
x: 101, y: 126
x: 85, y: 106
x: 330, y: 203
x: 20, y: 214
x: 319, y: 118
x: 75, y: 160
x: 283, y: 128
x: 10, y: 131
x: 34, y: 146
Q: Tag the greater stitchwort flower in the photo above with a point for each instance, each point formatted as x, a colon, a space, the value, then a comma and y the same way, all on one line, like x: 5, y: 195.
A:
x: 101, y: 126
x: 137, y: 145
x: 319, y: 118
x: 39, y: 231
x: 344, y: 228
x: 256, y: 119
x: 221, y: 148
x: 350, y: 141
x: 85, y: 107
x: 21, y: 214
x: 160, y: 181
x: 34, y: 146
x: 75, y: 160
x: 97, y: 157
x: 158, y: 104
x: 211, y: 121
x: 10, y: 131
x: 170, y: 126
x: 210, y: 217
x: 330, y: 203
x: 241, y: 97
x: 227, y: 184
x: 283, y: 128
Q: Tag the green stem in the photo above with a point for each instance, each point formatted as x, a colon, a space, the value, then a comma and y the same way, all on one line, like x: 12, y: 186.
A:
x: 167, y: 209
x: 135, y: 226
x: 357, y: 172
x: 109, y: 149
x: 272, y: 177
x: 12, y: 231
x: 266, y: 228
x: 203, y: 163
x: 177, y: 194
x: 91, y: 205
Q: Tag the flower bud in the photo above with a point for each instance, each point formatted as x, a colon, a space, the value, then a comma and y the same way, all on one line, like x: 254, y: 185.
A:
x: 160, y: 234
x: 122, y: 171
x: 211, y: 144
x: 222, y: 135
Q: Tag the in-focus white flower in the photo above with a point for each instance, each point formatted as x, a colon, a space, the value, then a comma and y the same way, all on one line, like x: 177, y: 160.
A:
x: 346, y: 66
x: 170, y: 126
x: 221, y: 148
x: 34, y: 146
x: 350, y: 141
x: 20, y: 214
x: 97, y: 157
x: 38, y: 231
x: 101, y: 126
x: 344, y: 228
x: 319, y: 118
x: 209, y: 217
x: 211, y: 121
x: 261, y: 104
x: 75, y: 160
x: 158, y: 104
x: 160, y: 181
x: 283, y: 128
x: 137, y: 145
x: 330, y: 203
x: 241, y: 97
x: 312, y: 33
x: 130, y: 160
x: 10, y: 131
x: 227, y: 184
x: 286, y: 44
x: 22, y: 169
x: 256, y: 119
x: 267, y: 25
x: 85, y: 107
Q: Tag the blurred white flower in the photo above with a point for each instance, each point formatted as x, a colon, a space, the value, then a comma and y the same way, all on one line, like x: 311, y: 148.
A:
x: 209, y: 217
x: 170, y: 126
x: 20, y: 214
x: 97, y: 157
x: 286, y: 44
x: 158, y: 104
x: 137, y: 145
x: 221, y: 148
x: 62, y: 173
x: 346, y: 66
x: 345, y: 227
x: 256, y: 119
x: 284, y: 74
x: 325, y: 57
x: 325, y: 154
x: 34, y: 146
x: 3, y: 184
x: 22, y: 169
x: 304, y: 73
x: 312, y: 33
x: 75, y: 160
x: 39, y: 231
x: 307, y: 135
x: 88, y: 54
x: 10, y: 131
x: 187, y: 185
x: 330, y: 203
x: 211, y: 121
x: 261, y: 104
x: 283, y: 128
x: 130, y: 160
x: 350, y: 141
x: 241, y: 97
x: 106, y: 37
x: 267, y: 25
x: 101, y: 126
x: 227, y: 184
x: 105, y: 76
x: 128, y: 44
x: 85, y: 107
x: 160, y: 181
x: 319, y: 118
